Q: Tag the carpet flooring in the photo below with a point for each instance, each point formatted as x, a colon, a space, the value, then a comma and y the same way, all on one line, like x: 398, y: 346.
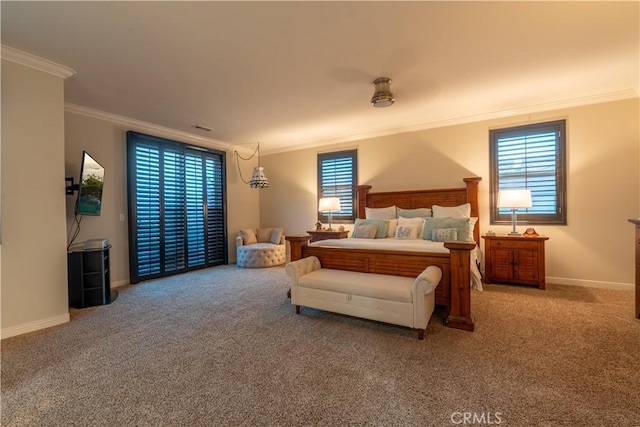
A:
x: 224, y: 347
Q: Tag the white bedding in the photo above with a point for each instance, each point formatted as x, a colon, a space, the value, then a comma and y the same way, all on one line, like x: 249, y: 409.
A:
x: 417, y: 245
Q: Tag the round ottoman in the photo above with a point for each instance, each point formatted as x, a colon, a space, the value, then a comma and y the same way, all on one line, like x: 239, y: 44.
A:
x: 259, y: 255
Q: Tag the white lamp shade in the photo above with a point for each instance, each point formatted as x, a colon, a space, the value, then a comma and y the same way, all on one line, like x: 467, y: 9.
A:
x: 514, y: 199
x: 328, y: 204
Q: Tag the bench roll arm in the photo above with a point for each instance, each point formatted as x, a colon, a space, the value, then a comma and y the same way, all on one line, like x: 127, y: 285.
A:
x: 423, y: 286
x: 296, y: 269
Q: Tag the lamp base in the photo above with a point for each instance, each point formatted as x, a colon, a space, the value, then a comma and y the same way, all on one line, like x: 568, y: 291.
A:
x: 514, y: 233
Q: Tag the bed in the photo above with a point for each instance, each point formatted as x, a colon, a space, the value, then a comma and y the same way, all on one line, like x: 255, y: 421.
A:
x: 456, y: 259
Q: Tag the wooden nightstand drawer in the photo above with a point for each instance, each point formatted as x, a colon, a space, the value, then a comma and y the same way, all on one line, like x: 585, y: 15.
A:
x: 515, y: 244
x: 327, y: 234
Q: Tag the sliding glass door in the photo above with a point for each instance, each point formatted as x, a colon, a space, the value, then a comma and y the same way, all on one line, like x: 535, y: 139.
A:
x: 177, y: 207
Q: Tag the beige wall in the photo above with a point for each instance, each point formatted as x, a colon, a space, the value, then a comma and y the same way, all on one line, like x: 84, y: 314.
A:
x: 595, y: 248
x: 34, y: 267
x: 105, y: 140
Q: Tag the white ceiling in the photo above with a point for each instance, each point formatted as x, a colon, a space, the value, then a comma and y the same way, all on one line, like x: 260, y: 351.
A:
x: 290, y: 74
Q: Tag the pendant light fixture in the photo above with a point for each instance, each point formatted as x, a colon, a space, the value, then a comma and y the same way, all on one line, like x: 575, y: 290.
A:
x: 382, y: 96
x: 258, y: 178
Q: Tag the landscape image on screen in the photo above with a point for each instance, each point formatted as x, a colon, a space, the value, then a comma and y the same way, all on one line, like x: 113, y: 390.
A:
x: 91, y: 183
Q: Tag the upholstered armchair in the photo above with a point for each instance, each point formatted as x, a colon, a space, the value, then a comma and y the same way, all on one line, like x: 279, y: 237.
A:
x: 264, y: 247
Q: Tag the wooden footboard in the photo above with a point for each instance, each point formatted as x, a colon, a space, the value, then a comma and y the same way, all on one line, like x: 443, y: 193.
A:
x: 454, y: 290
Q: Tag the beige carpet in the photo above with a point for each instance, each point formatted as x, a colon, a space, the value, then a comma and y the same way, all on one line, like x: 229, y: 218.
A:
x: 223, y: 347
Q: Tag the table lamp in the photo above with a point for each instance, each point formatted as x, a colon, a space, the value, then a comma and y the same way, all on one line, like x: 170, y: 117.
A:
x: 329, y: 204
x: 514, y: 199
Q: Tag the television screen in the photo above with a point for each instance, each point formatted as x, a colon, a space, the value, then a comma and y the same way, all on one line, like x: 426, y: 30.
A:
x: 91, y: 182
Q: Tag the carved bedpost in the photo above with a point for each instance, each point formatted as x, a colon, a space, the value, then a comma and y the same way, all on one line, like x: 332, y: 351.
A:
x: 361, y: 199
x: 460, y: 316
x: 296, y: 243
x: 472, y: 198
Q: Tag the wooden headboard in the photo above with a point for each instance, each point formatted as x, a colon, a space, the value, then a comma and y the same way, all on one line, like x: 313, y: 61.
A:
x: 413, y: 199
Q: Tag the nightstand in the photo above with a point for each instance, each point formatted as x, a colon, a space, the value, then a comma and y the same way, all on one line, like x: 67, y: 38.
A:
x: 514, y: 259
x: 327, y: 234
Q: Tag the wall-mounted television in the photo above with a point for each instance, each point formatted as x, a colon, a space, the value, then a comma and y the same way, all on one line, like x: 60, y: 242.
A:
x: 90, y: 186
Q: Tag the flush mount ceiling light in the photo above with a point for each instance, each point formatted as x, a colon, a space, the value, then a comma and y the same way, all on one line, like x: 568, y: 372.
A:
x: 382, y: 96
x: 258, y: 179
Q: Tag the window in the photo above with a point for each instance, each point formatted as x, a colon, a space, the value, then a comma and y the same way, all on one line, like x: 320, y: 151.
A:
x: 531, y: 157
x: 177, y: 209
x: 337, y: 175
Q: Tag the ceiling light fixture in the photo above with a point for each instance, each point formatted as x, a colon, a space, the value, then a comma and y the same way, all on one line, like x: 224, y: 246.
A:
x: 258, y: 179
x: 382, y: 97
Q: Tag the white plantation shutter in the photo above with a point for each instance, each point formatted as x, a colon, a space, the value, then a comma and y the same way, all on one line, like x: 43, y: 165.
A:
x: 337, y: 174
x: 530, y: 157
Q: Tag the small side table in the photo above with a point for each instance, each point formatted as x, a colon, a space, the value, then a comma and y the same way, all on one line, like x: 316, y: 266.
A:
x: 327, y: 234
x: 515, y: 259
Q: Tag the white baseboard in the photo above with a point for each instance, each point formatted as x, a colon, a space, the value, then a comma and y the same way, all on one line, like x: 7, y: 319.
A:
x: 119, y: 283
x: 12, y: 331
x: 591, y: 283
x: 587, y: 283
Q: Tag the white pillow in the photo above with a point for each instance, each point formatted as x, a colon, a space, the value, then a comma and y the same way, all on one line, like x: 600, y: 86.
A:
x: 407, y: 232
x: 460, y: 211
x: 380, y: 213
x: 248, y: 236
x: 393, y: 224
x: 472, y: 225
x: 276, y: 236
x: 419, y: 222
x: 264, y: 235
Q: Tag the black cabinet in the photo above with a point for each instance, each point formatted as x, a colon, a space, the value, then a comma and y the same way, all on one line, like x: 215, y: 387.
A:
x: 89, y: 278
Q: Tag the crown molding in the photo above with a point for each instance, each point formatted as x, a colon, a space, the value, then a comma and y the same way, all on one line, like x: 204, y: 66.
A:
x: 530, y: 109
x: 141, y: 126
x: 32, y: 61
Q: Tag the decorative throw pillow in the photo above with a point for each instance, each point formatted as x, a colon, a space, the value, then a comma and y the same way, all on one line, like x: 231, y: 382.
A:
x: 380, y: 213
x: 364, y: 232
x: 382, y: 226
x: 407, y: 232
x: 460, y: 211
x: 444, y: 234
x: 417, y: 221
x: 248, y: 236
x: 264, y: 235
x: 414, y: 213
x: 393, y: 223
x: 276, y: 236
x: 461, y: 224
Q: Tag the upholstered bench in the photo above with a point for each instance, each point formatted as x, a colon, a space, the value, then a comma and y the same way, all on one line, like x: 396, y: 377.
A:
x: 403, y: 301
x: 268, y: 249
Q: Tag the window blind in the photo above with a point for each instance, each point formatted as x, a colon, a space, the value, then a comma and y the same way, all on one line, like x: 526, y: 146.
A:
x: 177, y: 207
x: 337, y: 178
x: 531, y: 157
